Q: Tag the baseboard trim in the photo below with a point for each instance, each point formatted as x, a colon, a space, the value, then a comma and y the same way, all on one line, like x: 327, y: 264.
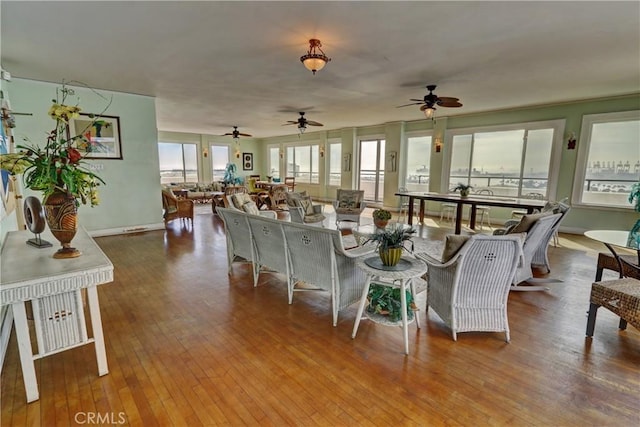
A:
x: 127, y: 230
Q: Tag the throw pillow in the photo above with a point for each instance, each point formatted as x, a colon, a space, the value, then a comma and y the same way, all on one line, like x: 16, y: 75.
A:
x: 453, y: 243
x: 527, y: 222
x: 306, y: 204
x: 251, y: 208
x: 240, y: 199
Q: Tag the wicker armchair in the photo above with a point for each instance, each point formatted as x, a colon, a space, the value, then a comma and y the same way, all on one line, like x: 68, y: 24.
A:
x: 176, y: 208
x: 302, y: 210
x: 469, y: 292
x: 349, y: 205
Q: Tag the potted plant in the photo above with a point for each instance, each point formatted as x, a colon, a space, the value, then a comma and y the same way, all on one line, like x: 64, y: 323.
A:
x: 391, y: 243
x: 381, y: 217
x: 385, y: 301
x: 463, y: 188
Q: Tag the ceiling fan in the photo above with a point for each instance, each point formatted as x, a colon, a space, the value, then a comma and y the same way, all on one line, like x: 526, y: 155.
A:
x: 236, y: 133
x: 430, y: 100
x: 302, y: 123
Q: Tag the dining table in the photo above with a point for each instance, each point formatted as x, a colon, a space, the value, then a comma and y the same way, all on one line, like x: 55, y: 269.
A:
x: 473, y: 200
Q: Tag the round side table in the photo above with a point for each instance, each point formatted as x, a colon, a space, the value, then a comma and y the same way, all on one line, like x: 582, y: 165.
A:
x: 398, y: 277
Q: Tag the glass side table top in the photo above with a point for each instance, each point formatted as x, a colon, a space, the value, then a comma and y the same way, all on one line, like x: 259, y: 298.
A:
x: 614, y: 237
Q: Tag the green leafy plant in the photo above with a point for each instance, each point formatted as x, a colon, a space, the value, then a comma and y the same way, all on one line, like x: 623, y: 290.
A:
x: 395, y: 238
x: 385, y: 300
x: 59, y: 165
x: 382, y: 214
x: 463, y: 187
x: 634, y: 196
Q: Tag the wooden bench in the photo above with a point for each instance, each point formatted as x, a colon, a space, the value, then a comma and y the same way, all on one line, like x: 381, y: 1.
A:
x: 621, y: 296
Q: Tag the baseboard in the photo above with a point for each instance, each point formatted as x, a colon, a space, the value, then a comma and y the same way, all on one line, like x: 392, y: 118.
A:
x: 127, y: 230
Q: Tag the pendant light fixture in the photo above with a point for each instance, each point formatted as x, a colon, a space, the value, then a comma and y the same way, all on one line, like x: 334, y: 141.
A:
x: 313, y: 60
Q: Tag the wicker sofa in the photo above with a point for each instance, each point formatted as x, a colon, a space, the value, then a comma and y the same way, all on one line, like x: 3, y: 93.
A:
x: 301, y: 252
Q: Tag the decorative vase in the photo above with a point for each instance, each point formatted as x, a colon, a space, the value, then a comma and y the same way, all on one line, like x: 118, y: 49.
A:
x: 464, y: 193
x: 380, y: 223
x: 634, y: 236
x: 62, y: 217
x: 391, y: 256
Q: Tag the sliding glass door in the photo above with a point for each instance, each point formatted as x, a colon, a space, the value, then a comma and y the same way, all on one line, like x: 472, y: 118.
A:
x: 371, y: 177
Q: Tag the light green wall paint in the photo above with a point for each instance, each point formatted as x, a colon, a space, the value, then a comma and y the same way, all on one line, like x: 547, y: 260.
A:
x: 131, y: 197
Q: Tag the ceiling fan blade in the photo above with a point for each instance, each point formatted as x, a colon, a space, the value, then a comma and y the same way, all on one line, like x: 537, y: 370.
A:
x: 312, y: 123
x: 449, y: 104
x: 447, y: 99
x: 413, y: 103
x: 419, y: 100
x: 291, y: 122
x: 244, y: 134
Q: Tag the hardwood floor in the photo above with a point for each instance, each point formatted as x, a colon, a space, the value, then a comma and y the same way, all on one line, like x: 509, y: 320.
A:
x: 189, y: 345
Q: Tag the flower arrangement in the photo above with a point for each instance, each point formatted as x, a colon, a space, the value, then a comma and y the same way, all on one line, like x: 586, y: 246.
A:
x: 59, y: 165
x: 382, y: 214
x: 634, y: 196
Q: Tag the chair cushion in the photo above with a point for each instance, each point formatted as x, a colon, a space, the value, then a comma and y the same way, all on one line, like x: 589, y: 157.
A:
x: 453, y: 243
x: 239, y: 200
x: 251, y: 185
x: 293, y: 198
x: 527, y: 222
x: 349, y: 200
x: 251, y: 208
x: 305, y: 203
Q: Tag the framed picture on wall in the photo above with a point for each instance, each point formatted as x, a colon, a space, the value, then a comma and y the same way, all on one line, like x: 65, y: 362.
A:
x: 102, y: 135
x: 247, y: 161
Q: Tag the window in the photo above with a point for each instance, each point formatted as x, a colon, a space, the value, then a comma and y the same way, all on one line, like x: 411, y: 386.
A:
x: 219, y: 161
x: 274, y: 162
x: 418, y: 159
x: 372, y: 169
x: 302, y: 163
x: 608, y: 159
x: 178, y: 162
x: 513, y: 160
x: 335, y: 164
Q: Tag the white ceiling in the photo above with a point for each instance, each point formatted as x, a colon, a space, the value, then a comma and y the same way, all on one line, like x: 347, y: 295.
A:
x: 212, y: 65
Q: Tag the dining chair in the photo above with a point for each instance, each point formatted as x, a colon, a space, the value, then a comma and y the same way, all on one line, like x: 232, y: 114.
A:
x: 483, y: 211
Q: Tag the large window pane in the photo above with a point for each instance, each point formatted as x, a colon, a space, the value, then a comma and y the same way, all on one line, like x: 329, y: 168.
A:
x: 613, y: 160
x: 512, y: 162
x: 418, y: 160
x: 302, y: 163
x: 178, y: 162
x: 274, y: 162
x: 335, y: 164
x: 219, y: 161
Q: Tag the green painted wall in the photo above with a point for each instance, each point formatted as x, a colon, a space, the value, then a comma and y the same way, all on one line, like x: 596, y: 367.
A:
x: 131, y: 199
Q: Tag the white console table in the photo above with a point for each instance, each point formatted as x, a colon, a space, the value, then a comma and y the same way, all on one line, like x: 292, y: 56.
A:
x: 54, y: 288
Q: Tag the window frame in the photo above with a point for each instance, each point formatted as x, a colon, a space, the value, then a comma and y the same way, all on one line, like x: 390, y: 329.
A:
x: 280, y: 157
x: 184, y: 169
x: 308, y: 144
x: 210, y: 161
x: 402, y: 182
x: 330, y: 143
x: 584, y: 144
x: 558, y: 126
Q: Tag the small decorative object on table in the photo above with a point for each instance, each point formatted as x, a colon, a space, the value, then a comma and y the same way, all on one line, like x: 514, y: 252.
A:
x: 634, y: 199
x: 391, y: 243
x: 58, y: 170
x: 464, y: 189
x: 381, y: 217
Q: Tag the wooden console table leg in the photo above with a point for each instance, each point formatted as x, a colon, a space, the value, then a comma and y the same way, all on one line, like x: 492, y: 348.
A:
x: 96, y: 324
x: 26, y: 352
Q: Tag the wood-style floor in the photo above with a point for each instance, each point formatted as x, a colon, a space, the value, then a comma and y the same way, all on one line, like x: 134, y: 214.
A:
x: 188, y: 345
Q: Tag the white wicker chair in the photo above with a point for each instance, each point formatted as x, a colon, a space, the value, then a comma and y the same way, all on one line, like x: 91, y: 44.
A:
x: 540, y: 257
x: 297, y: 203
x: 239, y: 242
x: 537, y: 235
x: 269, y: 246
x: 469, y: 292
x: 317, y: 257
x: 349, y: 205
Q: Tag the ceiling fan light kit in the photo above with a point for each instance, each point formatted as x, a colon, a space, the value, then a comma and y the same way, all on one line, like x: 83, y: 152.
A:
x: 313, y: 60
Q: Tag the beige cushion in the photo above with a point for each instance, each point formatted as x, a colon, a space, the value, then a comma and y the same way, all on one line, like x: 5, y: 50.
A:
x: 239, y: 199
x: 453, y: 243
x: 305, y: 203
x: 349, y: 200
x: 527, y: 222
x: 251, y: 208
